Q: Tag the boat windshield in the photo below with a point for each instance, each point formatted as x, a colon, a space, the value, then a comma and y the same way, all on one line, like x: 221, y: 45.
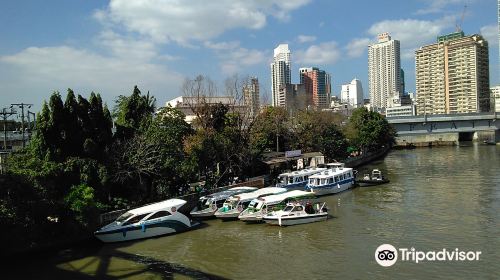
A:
x: 124, y: 217
x: 283, y: 179
x: 290, y: 180
x: 288, y: 208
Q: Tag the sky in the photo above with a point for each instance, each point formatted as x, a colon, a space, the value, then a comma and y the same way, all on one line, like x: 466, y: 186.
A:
x: 110, y: 46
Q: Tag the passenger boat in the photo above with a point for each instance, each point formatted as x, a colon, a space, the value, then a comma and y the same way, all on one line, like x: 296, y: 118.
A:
x: 235, y: 204
x: 376, y: 178
x: 262, y: 205
x: 208, y: 204
x: 297, y: 180
x: 331, y: 181
x: 150, y: 220
x: 296, y: 213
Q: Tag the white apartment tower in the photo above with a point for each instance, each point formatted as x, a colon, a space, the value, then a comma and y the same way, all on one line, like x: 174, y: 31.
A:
x: 280, y: 73
x: 251, y: 96
x: 352, y: 94
x: 384, y: 71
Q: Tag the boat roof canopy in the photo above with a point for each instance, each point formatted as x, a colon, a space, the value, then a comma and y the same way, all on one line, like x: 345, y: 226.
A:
x: 307, y: 171
x: 155, y: 207
x: 330, y: 172
x: 282, y: 196
x: 259, y: 193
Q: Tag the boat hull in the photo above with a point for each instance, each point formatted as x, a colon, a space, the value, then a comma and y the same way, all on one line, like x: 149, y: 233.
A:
x: 256, y: 218
x: 296, y: 220
x: 229, y: 215
x: 206, y: 213
x: 141, y: 232
x: 331, y: 189
x: 368, y: 183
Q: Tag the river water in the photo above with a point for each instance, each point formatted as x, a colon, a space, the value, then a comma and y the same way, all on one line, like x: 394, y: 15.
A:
x: 438, y: 198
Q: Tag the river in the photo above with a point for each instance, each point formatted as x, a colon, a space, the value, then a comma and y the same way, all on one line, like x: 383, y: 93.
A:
x: 438, y: 198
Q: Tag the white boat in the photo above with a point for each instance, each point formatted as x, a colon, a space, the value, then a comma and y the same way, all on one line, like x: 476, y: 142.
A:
x: 208, y: 204
x: 331, y: 181
x: 147, y: 221
x: 263, y: 205
x: 296, y: 213
x: 235, y: 204
x: 297, y: 180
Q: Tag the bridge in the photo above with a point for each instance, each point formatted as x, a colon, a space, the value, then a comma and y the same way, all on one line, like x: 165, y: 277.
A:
x: 446, y: 129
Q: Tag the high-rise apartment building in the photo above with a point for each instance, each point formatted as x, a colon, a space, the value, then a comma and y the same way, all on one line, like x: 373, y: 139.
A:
x: 452, y: 75
x: 495, y: 94
x: 352, y: 94
x: 280, y: 72
x: 251, y: 96
x: 384, y: 71
x: 318, y: 86
x: 295, y: 97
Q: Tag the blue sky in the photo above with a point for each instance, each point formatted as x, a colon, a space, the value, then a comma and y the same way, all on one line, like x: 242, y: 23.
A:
x: 108, y: 47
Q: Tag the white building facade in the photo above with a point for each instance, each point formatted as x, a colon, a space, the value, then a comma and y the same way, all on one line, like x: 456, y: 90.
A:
x: 280, y: 72
x: 352, y: 94
x: 384, y: 71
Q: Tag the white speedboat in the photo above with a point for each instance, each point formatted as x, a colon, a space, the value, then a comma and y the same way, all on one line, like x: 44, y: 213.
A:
x: 208, y: 204
x: 235, y: 204
x: 296, y: 213
x: 297, y: 180
x: 263, y: 205
x: 331, y: 181
x: 147, y: 221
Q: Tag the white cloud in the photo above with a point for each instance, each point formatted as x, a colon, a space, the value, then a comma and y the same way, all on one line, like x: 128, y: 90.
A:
x: 183, y: 21
x: 222, y: 45
x: 35, y: 72
x: 490, y: 33
x: 322, y: 54
x: 412, y: 33
x: 357, y: 47
x: 235, y: 61
x: 437, y: 6
x: 306, y: 38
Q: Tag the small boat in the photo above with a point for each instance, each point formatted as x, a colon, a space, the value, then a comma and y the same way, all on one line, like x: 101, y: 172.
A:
x: 208, y: 204
x: 489, y: 142
x: 147, y: 221
x: 263, y: 205
x: 297, y: 180
x: 235, y: 204
x: 331, y: 181
x: 376, y: 178
x: 296, y: 213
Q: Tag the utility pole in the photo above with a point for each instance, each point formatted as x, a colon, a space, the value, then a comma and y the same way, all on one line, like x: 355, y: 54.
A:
x: 22, y: 105
x: 5, y: 115
x: 31, y: 127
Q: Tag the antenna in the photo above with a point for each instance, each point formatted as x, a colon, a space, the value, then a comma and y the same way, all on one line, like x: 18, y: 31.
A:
x: 458, y: 25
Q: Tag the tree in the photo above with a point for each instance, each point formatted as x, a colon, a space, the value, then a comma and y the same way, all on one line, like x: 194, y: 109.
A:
x: 369, y: 130
x: 133, y: 113
x: 270, y: 131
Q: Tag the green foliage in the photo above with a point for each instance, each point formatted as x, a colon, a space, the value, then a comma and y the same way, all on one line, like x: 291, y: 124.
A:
x: 270, y: 125
x: 82, y: 202
x: 133, y: 113
x: 369, y: 130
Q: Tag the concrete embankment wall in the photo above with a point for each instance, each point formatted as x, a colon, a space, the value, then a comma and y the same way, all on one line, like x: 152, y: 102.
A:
x: 425, y: 140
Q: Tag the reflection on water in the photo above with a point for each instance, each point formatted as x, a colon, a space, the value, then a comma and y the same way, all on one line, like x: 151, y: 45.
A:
x: 437, y: 198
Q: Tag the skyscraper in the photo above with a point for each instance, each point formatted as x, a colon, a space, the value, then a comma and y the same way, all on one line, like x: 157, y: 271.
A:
x: 280, y: 72
x: 251, y: 96
x: 452, y: 75
x: 352, y: 94
x: 318, y: 86
x: 384, y: 71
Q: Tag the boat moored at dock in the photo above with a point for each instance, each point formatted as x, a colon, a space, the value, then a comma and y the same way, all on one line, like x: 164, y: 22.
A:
x: 296, y: 213
x: 235, y: 204
x: 147, y: 221
x: 208, y: 204
x: 331, y: 181
x: 373, y: 179
x: 263, y: 205
x: 297, y: 180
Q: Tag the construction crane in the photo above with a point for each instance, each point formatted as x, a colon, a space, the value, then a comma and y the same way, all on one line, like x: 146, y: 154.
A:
x: 458, y: 25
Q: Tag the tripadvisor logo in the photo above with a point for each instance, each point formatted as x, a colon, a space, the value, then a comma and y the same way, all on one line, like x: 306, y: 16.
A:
x: 387, y: 255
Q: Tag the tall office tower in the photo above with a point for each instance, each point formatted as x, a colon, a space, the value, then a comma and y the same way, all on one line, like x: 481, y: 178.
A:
x: 280, y: 71
x: 452, y: 75
x: 384, y: 71
x: 318, y: 86
x: 495, y: 94
x: 251, y: 96
x: 352, y: 94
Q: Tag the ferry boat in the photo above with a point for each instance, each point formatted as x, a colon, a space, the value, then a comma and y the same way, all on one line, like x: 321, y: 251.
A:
x: 235, y: 204
x: 208, y: 204
x: 296, y: 213
x: 331, y: 181
x: 262, y: 205
x: 297, y: 180
x: 147, y: 221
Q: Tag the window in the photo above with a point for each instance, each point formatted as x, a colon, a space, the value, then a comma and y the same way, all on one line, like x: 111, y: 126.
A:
x: 298, y: 208
x: 159, y: 214
x: 330, y: 181
x: 124, y: 217
x: 135, y: 219
x: 220, y: 203
x: 288, y: 208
